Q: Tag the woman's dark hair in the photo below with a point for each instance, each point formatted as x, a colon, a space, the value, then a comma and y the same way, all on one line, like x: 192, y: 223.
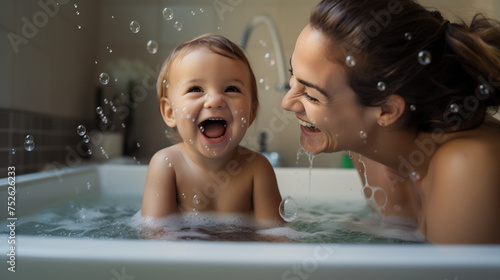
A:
x: 447, y: 73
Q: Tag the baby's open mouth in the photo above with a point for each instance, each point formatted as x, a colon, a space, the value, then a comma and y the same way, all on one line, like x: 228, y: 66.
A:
x: 308, y: 126
x: 213, y: 128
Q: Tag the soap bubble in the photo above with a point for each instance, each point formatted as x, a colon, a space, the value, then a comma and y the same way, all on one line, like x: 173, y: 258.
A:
x: 86, y: 139
x: 484, y: 90
x: 196, y: 199
x: 152, y: 46
x: 81, y: 130
x: 413, y: 107
x: 381, y: 86
x: 263, y: 84
x: 168, y: 13
x: 362, y: 134
x: 269, y: 59
x: 454, y: 108
x: 13, y: 151
x: 350, y: 61
x: 98, y: 110
x: 178, y: 26
x: 104, y: 78
x: 29, y: 143
x: 414, y: 176
x: 408, y: 36
x: 288, y: 209
x: 135, y: 27
x: 424, y: 57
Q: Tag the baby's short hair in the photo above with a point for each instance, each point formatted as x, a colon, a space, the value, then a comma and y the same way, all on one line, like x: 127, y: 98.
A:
x: 214, y: 43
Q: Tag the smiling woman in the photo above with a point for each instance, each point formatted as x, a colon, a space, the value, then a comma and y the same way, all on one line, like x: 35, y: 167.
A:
x: 413, y: 95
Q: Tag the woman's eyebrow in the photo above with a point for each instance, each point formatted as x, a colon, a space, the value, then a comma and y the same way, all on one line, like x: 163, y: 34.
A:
x: 307, y: 84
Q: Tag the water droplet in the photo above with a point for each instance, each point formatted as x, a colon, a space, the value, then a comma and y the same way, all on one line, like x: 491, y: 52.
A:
x: 138, y: 145
x: 29, y: 143
x: 381, y: 86
x: 183, y: 195
x: 424, y: 57
x: 98, y: 110
x: 168, y: 13
x: 288, y: 209
x: 408, y: 36
x: 362, y: 134
x: 201, y: 10
x: 79, y: 26
x: 86, y: 139
x: 454, y: 108
x: 13, y: 151
x: 104, y: 78
x: 178, y: 26
x: 110, y: 50
x: 196, y: 199
x: 269, y: 59
x: 152, y: 46
x: 193, y: 13
x: 484, y: 90
x: 191, y: 141
x: 414, y: 176
x: 413, y: 108
x: 350, y: 61
x: 77, y: 13
x: 95, y: 62
x: 81, y: 130
x: 76, y: 6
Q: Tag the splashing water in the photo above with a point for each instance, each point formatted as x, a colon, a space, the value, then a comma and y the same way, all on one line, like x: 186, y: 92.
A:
x: 371, y: 190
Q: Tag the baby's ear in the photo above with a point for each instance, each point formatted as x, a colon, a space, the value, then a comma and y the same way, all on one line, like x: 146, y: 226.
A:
x: 167, y: 112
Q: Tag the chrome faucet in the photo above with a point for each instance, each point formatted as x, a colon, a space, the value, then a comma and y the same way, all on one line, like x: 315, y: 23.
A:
x: 266, y: 20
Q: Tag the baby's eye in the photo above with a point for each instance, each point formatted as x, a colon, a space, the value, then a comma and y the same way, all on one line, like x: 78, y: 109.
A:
x: 232, y: 89
x: 195, y: 89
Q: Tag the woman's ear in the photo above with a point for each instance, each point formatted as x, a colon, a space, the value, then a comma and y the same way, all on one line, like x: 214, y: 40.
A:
x: 392, y: 108
x: 167, y: 112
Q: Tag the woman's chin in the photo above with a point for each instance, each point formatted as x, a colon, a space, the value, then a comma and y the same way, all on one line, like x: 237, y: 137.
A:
x: 312, y: 145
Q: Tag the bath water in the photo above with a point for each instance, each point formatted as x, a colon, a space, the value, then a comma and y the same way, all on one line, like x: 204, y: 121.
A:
x: 111, y: 217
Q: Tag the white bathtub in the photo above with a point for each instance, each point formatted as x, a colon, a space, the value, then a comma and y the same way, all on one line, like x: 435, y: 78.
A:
x: 69, y: 258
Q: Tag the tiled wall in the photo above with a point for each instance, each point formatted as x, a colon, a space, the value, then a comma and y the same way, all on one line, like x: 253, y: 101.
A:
x: 56, y: 141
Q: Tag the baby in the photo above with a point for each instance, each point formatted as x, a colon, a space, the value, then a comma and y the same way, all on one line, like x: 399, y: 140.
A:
x: 208, y: 93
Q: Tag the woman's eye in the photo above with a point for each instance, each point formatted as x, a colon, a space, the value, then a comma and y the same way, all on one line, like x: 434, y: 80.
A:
x: 291, y: 71
x: 310, y: 98
x: 232, y: 89
x: 195, y: 89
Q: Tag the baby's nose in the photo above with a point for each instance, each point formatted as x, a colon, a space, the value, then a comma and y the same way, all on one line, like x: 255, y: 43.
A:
x: 214, y: 100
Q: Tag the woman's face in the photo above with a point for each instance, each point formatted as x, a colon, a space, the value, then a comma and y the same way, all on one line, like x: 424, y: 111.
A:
x: 330, y: 116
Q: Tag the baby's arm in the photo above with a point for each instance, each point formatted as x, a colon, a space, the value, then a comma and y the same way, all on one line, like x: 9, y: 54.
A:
x: 160, y: 195
x: 266, y: 195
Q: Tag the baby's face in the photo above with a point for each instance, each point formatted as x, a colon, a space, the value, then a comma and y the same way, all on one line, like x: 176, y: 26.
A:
x: 211, y: 100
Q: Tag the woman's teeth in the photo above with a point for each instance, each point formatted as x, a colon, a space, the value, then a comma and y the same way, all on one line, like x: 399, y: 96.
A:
x: 306, y: 124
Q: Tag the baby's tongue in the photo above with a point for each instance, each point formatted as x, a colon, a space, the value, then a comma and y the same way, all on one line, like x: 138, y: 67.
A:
x: 214, y: 129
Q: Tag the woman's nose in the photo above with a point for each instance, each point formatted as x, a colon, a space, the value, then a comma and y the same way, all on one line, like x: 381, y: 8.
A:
x: 291, y: 101
x: 214, y: 101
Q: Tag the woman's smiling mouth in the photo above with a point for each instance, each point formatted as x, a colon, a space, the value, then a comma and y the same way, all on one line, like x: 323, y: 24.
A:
x: 308, y: 126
